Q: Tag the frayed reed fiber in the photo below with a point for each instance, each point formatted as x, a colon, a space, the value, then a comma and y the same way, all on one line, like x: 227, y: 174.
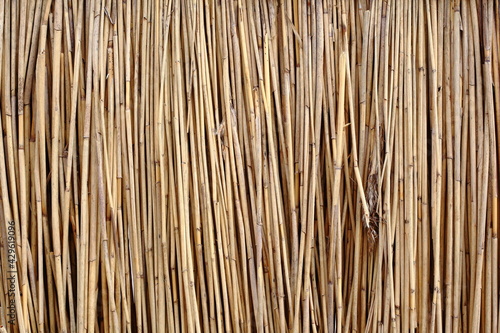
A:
x: 249, y: 165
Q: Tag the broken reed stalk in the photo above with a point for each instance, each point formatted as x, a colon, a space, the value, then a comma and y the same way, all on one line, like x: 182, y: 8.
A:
x: 269, y: 166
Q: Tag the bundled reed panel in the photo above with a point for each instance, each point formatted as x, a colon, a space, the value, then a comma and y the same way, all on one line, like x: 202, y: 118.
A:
x: 249, y: 165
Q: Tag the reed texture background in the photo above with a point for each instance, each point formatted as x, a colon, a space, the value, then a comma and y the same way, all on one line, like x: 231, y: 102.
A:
x: 249, y: 165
